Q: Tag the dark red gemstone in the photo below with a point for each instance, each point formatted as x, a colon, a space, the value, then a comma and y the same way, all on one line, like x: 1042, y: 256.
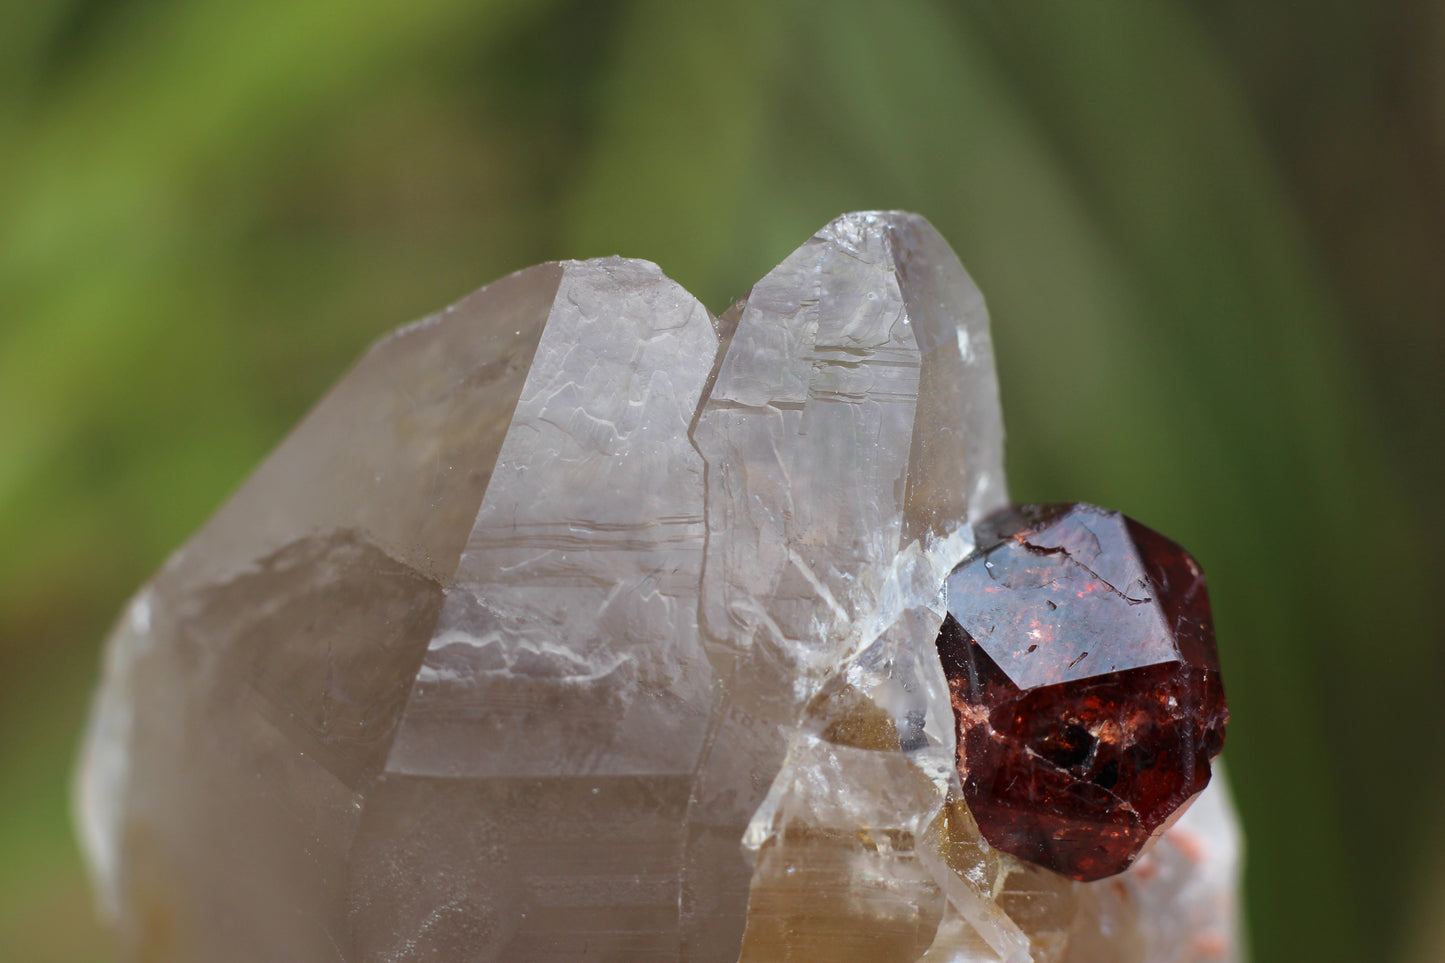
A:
x: 1085, y: 684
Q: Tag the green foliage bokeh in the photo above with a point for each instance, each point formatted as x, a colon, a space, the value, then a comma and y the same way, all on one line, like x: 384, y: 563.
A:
x: 1207, y: 233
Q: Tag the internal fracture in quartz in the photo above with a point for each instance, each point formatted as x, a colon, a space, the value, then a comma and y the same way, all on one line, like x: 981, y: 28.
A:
x: 1085, y: 682
x: 575, y: 624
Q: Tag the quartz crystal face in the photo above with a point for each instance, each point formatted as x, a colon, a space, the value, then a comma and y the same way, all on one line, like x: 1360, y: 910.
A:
x: 578, y: 624
x: 1085, y: 682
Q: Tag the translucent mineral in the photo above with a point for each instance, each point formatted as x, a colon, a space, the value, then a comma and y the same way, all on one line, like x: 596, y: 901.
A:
x: 1080, y: 652
x: 577, y: 624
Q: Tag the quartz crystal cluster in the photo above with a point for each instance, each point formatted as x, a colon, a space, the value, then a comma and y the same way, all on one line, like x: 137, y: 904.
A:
x: 577, y: 624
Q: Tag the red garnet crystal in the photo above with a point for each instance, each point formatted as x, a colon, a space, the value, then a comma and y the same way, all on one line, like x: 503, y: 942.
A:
x: 1085, y: 685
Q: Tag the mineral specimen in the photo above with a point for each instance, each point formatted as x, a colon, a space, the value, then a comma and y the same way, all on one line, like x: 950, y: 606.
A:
x: 1085, y: 680
x: 577, y: 624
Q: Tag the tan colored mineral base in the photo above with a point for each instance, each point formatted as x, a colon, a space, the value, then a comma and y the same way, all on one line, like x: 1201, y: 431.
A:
x: 814, y: 890
x: 576, y: 624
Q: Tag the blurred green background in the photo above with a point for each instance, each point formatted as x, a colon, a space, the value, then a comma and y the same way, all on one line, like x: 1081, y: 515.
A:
x: 1212, y: 236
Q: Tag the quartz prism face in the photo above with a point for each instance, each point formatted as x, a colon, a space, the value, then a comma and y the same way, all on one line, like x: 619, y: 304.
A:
x: 1085, y: 681
x: 575, y: 623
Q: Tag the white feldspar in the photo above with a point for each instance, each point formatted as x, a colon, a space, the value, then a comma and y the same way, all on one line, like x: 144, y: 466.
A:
x: 577, y: 624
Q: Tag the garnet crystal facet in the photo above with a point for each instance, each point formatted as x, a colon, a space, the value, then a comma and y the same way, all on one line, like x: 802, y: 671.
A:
x: 1085, y: 685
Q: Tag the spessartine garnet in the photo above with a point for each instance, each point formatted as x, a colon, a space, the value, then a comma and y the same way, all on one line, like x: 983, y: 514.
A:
x: 1085, y: 685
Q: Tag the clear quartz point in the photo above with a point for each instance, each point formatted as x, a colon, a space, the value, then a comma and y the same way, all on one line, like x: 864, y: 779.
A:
x: 577, y: 624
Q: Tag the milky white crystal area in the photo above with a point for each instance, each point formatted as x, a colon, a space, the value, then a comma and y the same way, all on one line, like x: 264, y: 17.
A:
x: 577, y: 624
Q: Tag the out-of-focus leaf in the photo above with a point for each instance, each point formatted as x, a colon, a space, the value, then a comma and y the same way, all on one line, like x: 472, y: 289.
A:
x: 689, y: 90
x: 95, y: 200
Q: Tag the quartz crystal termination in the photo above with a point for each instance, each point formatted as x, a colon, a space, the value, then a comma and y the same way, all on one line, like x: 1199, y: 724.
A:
x: 1085, y: 681
x: 577, y: 624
